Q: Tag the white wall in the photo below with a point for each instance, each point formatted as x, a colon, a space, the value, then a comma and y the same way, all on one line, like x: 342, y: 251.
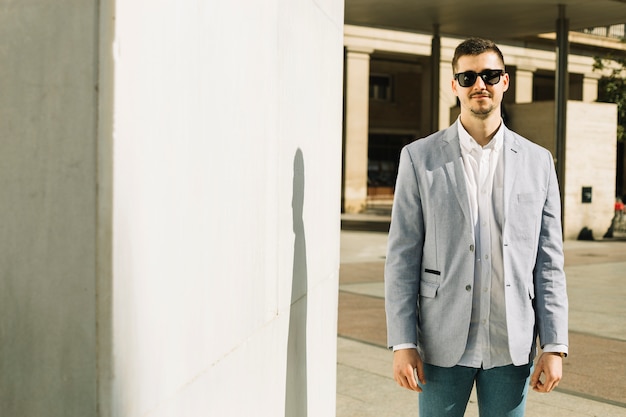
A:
x: 170, y: 197
x: 222, y: 111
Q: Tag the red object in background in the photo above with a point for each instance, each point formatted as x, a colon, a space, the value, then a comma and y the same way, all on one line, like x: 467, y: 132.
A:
x: 619, y: 206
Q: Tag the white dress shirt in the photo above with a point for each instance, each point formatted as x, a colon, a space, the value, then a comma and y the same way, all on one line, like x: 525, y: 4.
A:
x: 487, y: 343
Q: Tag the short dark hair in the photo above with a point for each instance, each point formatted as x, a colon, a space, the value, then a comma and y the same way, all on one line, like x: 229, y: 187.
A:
x: 475, y: 46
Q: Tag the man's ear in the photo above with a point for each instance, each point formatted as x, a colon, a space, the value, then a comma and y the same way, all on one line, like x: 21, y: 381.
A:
x: 506, y: 80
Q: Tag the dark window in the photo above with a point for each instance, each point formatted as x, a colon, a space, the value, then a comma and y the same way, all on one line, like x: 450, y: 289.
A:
x: 381, y: 87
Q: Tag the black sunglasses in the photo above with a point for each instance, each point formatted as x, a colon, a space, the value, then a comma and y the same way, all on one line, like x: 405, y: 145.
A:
x: 468, y: 78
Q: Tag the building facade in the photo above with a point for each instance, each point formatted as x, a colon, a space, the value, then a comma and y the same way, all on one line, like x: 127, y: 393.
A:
x: 388, y: 85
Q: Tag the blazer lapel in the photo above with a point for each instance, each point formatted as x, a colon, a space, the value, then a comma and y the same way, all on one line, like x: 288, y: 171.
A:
x: 454, y: 167
x: 512, y: 154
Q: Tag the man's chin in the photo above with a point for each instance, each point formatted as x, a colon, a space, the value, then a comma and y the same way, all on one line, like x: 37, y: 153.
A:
x: 482, y: 113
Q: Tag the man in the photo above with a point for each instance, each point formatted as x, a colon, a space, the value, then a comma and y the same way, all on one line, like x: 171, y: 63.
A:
x: 474, y: 269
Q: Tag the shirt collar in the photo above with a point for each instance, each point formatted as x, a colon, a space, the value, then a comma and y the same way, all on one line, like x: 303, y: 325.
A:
x: 468, y: 144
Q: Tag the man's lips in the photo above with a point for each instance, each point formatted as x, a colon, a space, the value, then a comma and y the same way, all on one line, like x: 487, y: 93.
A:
x: 480, y: 95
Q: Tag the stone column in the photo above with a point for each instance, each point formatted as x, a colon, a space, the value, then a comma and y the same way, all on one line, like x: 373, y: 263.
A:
x: 590, y: 87
x: 357, y: 125
x: 524, y: 84
x: 448, y: 110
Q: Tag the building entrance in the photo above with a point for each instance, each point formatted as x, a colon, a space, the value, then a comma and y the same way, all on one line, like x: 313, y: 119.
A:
x: 382, y: 164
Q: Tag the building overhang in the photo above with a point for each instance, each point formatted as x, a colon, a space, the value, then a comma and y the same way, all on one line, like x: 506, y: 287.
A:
x: 508, y: 20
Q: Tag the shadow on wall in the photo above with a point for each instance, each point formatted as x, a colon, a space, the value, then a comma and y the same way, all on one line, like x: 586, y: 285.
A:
x: 296, y: 388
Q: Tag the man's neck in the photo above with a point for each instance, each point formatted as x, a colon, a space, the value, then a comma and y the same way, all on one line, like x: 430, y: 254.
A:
x: 482, y: 130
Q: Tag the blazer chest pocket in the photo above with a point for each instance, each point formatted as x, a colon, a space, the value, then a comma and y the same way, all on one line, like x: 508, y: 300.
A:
x: 528, y: 197
x: 534, y: 201
x: 428, y: 289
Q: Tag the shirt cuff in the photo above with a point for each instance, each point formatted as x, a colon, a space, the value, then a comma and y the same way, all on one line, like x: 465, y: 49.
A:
x: 554, y: 348
x: 405, y: 346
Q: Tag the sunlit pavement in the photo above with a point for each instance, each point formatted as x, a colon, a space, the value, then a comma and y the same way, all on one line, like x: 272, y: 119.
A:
x: 594, y: 381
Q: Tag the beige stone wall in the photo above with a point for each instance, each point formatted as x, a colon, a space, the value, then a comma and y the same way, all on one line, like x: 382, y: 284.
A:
x: 591, y: 162
x: 590, y: 157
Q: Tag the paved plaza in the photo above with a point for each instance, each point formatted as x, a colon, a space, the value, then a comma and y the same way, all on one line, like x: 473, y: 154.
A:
x: 594, y: 382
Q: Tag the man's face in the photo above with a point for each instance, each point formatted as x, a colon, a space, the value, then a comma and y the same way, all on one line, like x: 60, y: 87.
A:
x: 480, y: 99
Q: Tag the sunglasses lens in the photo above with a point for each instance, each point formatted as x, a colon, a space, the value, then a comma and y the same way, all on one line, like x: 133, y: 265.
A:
x: 467, y: 79
x: 491, y: 77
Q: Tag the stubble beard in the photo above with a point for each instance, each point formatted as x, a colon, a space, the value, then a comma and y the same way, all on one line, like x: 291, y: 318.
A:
x: 482, y: 112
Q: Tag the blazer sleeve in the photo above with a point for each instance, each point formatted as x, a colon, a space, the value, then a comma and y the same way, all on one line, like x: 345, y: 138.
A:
x: 551, y: 303
x: 404, y: 253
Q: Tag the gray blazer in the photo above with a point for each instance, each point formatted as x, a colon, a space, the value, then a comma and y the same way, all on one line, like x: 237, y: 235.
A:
x: 429, y: 271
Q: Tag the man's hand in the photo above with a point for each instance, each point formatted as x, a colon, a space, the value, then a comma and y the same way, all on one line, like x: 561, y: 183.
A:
x: 404, y: 362
x: 551, y: 366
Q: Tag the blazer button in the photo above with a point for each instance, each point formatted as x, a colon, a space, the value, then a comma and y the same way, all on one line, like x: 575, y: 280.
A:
x: 468, y: 287
x: 471, y: 248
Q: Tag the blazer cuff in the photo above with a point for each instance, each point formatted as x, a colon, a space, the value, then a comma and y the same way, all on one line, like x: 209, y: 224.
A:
x: 553, y: 347
x: 405, y: 346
